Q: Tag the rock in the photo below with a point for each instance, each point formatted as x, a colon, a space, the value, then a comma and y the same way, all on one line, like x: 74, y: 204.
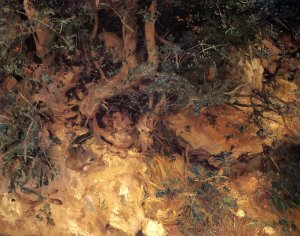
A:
x: 10, y: 210
x: 79, y: 158
x: 154, y: 228
x: 117, y: 129
x: 269, y: 231
x: 246, y: 184
x: 218, y: 129
x: 240, y: 213
x: 123, y: 198
x: 11, y: 82
x: 285, y: 90
x: 124, y: 192
x: 249, y: 72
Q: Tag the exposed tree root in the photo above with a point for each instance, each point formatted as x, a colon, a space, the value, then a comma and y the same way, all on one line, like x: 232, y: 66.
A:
x: 42, y: 36
x: 125, y: 78
x: 150, y: 36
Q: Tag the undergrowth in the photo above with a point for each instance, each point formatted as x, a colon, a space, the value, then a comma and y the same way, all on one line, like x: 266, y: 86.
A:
x: 206, y: 199
x: 285, y: 192
x: 24, y: 158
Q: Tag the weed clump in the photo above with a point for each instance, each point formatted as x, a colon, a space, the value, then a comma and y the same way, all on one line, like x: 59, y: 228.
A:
x: 24, y: 155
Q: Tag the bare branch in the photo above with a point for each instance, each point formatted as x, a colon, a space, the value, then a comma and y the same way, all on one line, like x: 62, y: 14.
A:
x: 150, y: 36
x: 96, y: 26
x: 118, y: 14
x: 129, y: 37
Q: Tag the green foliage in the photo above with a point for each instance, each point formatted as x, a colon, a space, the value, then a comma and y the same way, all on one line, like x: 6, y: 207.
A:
x: 212, y: 204
x: 12, y: 36
x: 148, y: 16
x: 263, y: 52
x: 23, y: 159
x: 46, y: 79
x: 285, y: 191
x: 180, y: 92
x: 230, y: 202
x: 287, y: 227
x: 206, y: 197
x: 223, y: 21
x: 177, y: 89
x: 167, y: 192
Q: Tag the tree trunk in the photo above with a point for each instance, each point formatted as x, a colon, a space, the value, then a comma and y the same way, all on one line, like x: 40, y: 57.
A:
x: 41, y: 32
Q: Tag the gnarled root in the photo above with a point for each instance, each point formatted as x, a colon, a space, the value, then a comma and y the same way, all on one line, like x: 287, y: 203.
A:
x: 130, y: 73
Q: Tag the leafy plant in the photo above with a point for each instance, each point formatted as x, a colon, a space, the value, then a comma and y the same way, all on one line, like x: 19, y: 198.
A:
x: 285, y: 192
x: 23, y: 159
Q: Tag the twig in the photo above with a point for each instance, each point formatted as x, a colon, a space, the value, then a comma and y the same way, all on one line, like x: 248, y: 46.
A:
x: 155, y: 136
x: 214, y: 177
x: 186, y: 154
x: 25, y: 99
x: 172, y: 46
x: 194, y: 197
x: 118, y: 14
x: 5, y: 117
x: 96, y: 26
x: 237, y: 88
x: 150, y: 36
x: 26, y: 139
x: 275, y: 164
x: 41, y: 22
x: 208, y: 48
